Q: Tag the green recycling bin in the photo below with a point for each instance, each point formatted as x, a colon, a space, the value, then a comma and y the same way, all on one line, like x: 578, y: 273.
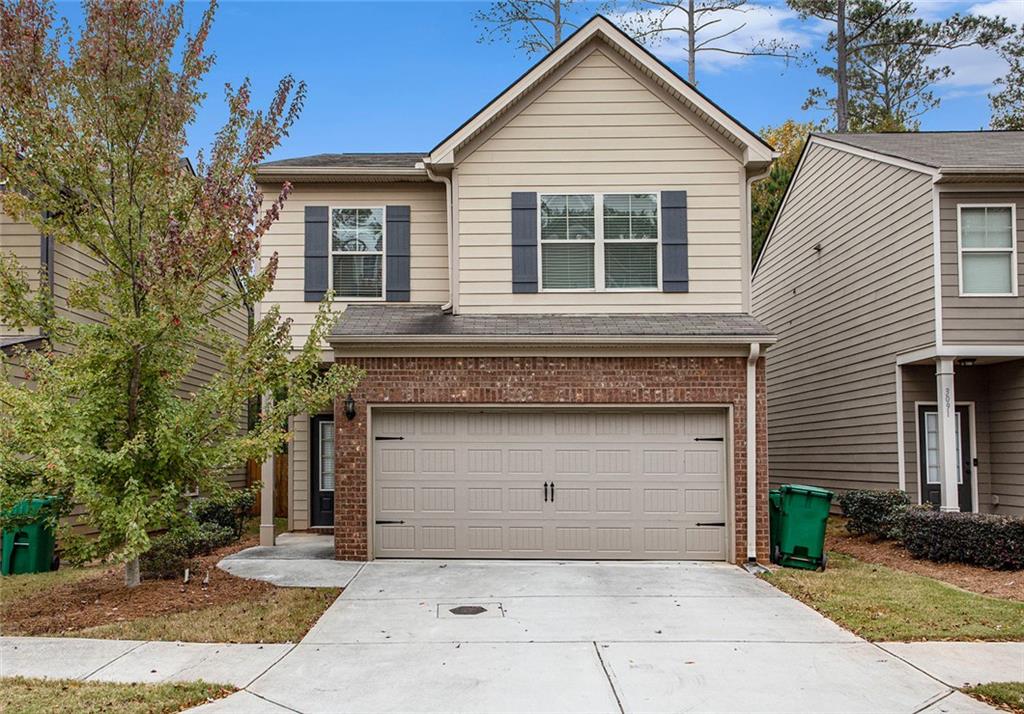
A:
x: 774, y: 518
x: 803, y: 517
x: 29, y: 548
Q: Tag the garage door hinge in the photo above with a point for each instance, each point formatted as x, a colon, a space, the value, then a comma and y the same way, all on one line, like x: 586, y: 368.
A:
x: 388, y: 438
x: 705, y: 524
x: 389, y: 523
x: 710, y: 438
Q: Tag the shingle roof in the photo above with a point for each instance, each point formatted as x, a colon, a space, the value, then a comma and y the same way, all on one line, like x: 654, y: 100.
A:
x: 945, y: 149
x: 375, y: 321
x: 398, y: 160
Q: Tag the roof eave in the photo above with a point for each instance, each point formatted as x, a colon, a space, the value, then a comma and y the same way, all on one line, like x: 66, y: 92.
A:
x: 554, y: 339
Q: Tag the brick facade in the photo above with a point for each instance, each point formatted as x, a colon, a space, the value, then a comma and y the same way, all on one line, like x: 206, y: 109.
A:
x: 543, y: 381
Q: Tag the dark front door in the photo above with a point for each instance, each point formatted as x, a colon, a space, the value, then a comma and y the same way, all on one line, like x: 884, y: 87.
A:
x: 321, y: 470
x: 928, y: 440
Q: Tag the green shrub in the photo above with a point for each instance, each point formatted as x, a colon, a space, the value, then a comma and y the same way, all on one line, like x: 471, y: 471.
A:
x: 175, y: 550
x: 995, y: 542
x: 875, y: 513
x: 227, y: 510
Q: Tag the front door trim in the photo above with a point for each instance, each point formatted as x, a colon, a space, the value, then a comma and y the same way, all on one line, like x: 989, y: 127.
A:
x: 730, y: 470
x: 971, y: 421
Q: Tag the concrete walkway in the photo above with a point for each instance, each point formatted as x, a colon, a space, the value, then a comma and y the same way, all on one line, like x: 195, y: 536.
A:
x: 299, y: 560
x: 960, y: 664
x: 135, y: 661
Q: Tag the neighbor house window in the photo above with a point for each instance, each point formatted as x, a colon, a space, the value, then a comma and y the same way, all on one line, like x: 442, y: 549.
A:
x: 326, y: 455
x: 357, y: 252
x: 988, y: 252
x: 599, y: 242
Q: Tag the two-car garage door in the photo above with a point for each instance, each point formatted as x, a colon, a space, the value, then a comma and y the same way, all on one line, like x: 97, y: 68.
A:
x: 566, y: 484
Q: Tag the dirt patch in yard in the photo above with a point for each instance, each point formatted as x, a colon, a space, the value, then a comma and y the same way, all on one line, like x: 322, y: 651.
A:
x: 102, y: 599
x: 994, y: 583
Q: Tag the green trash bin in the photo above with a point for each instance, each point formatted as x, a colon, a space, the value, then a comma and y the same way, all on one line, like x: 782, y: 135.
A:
x: 30, y: 548
x: 803, y: 517
x: 774, y: 518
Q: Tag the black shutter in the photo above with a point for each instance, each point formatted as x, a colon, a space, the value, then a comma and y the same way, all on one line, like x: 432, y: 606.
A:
x: 675, y: 261
x: 396, y: 253
x: 524, y: 242
x: 317, y: 252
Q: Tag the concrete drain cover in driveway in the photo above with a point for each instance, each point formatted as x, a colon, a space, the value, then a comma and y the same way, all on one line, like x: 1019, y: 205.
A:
x: 476, y: 609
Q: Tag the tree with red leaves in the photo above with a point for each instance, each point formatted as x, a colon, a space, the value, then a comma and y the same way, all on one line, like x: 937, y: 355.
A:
x: 92, y: 134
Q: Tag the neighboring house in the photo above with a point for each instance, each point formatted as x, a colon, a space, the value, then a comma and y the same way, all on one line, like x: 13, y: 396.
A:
x: 892, y: 275
x: 64, y: 264
x: 552, y: 309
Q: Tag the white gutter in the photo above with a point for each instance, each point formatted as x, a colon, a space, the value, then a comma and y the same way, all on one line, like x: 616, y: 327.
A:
x: 755, y: 353
x: 549, y: 339
x: 449, y: 219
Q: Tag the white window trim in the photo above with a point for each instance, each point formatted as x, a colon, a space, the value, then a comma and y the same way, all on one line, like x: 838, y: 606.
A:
x: 382, y: 252
x: 598, y: 243
x: 1002, y: 251
x: 320, y: 456
x: 975, y: 470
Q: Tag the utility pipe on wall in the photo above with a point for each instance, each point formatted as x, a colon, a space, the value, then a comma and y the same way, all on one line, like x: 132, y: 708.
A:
x: 449, y: 220
x: 755, y: 353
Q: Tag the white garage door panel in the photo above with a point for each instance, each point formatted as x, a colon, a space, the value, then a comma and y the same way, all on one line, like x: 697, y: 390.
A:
x: 626, y: 485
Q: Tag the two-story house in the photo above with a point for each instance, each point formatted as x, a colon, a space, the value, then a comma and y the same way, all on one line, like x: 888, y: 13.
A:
x: 552, y: 308
x: 892, y: 275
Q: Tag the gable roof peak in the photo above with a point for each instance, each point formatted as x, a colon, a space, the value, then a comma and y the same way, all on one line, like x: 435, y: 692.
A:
x: 755, y: 149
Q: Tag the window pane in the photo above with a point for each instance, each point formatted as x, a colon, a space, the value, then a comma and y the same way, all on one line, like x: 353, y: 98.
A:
x: 631, y: 216
x: 567, y: 217
x: 987, y: 273
x: 631, y: 266
x: 357, y: 275
x: 986, y: 227
x: 327, y: 456
x: 931, y: 431
x: 567, y: 266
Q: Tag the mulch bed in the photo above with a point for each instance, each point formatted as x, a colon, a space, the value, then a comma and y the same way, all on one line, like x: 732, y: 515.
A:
x: 104, y: 599
x: 1004, y: 584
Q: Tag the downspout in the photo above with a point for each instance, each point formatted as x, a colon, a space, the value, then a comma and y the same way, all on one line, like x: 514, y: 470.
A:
x: 755, y: 353
x: 447, y: 307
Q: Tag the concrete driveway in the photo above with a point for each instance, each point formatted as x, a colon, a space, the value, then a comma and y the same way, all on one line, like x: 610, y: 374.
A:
x: 582, y: 637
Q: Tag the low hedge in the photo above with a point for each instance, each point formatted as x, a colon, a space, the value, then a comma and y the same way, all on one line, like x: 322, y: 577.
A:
x: 995, y: 542
x: 874, y: 513
x: 171, y: 552
x: 227, y: 510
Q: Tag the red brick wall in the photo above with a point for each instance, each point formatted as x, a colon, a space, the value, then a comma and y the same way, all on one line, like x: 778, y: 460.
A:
x: 543, y: 380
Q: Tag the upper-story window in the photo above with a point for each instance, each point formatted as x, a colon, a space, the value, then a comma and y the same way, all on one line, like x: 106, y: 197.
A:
x: 599, y: 241
x: 357, y: 252
x: 988, y: 249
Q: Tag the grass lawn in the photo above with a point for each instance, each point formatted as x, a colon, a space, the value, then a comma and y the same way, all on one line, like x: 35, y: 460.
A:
x: 880, y: 603
x: 282, y: 615
x: 69, y: 696
x: 1008, y: 695
x: 214, y: 606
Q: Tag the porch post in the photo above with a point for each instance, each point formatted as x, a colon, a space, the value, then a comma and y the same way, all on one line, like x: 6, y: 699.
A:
x: 946, y: 399
x: 267, y: 493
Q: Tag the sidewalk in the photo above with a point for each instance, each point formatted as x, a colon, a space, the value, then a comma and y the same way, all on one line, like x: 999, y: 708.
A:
x: 961, y: 664
x: 299, y: 560
x: 136, y: 661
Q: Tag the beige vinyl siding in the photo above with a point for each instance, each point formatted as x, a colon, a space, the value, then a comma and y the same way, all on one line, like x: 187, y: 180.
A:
x: 979, y: 320
x: 298, y: 473
x: 21, y: 240
x: 842, y: 315
x: 971, y: 387
x: 599, y: 129
x: 1006, y: 424
x: 428, y: 277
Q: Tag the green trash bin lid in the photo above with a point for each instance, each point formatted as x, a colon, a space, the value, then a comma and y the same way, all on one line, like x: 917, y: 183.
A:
x: 807, y: 490
x: 30, y: 506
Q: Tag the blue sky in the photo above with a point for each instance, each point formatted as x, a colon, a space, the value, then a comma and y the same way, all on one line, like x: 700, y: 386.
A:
x: 399, y: 76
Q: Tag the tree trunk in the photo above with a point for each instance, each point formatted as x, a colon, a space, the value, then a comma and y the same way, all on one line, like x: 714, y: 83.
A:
x: 557, y: 8
x: 842, y: 88
x: 131, y: 573
x: 691, y: 48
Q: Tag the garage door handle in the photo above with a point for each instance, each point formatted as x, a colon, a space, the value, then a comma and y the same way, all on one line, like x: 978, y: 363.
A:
x: 712, y: 524
x: 552, y: 491
x: 389, y: 523
x: 545, y: 492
